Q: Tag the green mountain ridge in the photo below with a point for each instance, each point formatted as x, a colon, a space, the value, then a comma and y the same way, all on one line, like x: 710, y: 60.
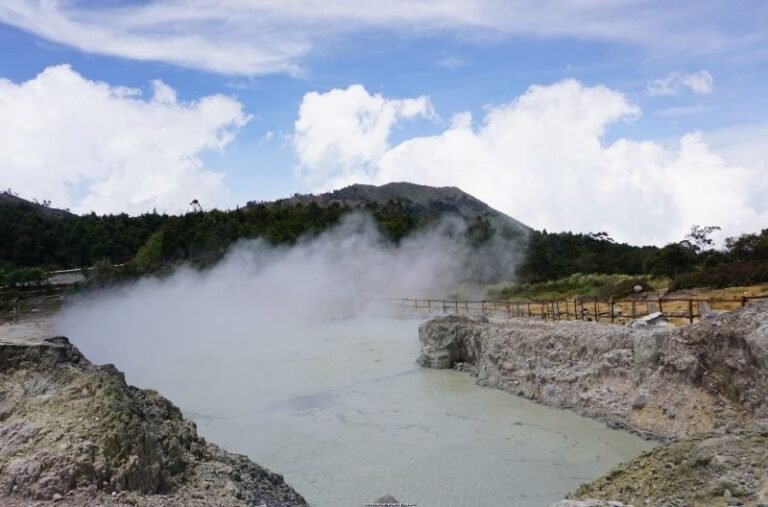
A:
x: 9, y: 199
x: 418, y: 199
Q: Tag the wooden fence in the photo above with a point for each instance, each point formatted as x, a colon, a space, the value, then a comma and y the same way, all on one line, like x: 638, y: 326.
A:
x: 41, y: 300
x: 679, y: 310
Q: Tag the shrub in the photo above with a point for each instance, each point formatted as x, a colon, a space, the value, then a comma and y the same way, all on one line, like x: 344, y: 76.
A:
x: 724, y: 275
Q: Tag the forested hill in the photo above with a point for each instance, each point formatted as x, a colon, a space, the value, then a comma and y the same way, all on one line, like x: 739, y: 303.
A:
x: 36, y: 235
x: 9, y: 199
x: 419, y: 200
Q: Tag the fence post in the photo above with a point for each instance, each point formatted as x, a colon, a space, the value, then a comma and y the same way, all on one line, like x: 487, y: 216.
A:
x: 567, y: 316
x: 529, y: 309
x: 597, y: 312
x: 690, y: 311
x: 16, y: 310
x: 610, y: 302
x: 482, y: 307
x: 743, y: 301
x: 661, y: 308
x: 633, y: 309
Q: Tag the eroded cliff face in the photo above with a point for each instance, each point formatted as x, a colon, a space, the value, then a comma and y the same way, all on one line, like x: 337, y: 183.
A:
x: 704, y: 388
x: 711, y: 376
x: 75, y: 433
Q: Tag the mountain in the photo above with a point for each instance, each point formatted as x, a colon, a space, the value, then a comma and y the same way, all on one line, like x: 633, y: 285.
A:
x: 11, y: 200
x: 420, y: 200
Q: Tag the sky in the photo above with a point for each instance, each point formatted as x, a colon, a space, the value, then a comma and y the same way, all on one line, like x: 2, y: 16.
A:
x: 640, y: 118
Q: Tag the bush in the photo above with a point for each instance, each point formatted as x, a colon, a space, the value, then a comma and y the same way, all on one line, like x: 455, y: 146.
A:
x: 624, y: 288
x: 602, y: 285
x: 23, y: 277
x: 724, y: 275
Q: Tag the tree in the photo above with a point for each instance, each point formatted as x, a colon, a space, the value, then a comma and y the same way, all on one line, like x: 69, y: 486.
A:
x: 699, y: 238
x: 673, y: 259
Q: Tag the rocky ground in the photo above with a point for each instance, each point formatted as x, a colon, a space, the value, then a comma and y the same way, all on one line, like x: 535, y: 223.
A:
x: 75, y: 434
x: 705, y: 471
x: 703, y: 389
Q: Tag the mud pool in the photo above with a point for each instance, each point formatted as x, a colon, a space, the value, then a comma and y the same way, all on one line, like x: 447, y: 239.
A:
x: 346, y: 415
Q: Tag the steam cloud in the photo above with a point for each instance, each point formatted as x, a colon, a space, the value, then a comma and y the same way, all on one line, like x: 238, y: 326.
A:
x: 268, y: 303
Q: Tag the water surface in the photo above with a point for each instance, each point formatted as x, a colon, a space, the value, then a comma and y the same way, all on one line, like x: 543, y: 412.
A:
x: 345, y: 414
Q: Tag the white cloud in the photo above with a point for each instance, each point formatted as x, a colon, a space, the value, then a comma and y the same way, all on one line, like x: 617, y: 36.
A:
x: 87, y: 145
x: 542, y: 159
x: 700, y: 83
x: 451, y: 62
x: 347, y: 129
x: 256, y: 37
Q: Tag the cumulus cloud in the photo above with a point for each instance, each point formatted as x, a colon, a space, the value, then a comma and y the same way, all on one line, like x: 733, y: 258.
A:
x: 247, y: 37
x: 543, y: 159
x: 348, y: 129
x: 90, y: 146
x: 700, y: 83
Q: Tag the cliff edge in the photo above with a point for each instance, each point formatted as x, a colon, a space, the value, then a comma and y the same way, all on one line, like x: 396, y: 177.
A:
x: 710, y: 376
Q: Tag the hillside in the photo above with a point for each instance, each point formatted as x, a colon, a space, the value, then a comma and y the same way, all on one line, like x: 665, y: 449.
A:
x: 8, y: 199
x: 420, y: 200
x: 36, y: 235
x: 33, y: 235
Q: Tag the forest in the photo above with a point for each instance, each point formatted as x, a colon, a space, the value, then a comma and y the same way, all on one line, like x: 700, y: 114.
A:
x: 32, y: 242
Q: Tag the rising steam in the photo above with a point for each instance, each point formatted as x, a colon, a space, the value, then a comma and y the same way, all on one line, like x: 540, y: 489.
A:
x: 266, y: 303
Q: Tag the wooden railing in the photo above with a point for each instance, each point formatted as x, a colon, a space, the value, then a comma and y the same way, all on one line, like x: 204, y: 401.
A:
x: 16, y: 304
x: 677, y: 309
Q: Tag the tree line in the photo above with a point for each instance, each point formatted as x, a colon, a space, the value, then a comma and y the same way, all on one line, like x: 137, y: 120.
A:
x: 150, y: 242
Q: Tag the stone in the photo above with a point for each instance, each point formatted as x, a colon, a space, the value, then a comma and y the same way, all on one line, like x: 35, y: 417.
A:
x: 640, y: 401
x: 86, y: 448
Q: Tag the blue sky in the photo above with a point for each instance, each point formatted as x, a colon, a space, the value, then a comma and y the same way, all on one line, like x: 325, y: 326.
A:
x: 653, y: 73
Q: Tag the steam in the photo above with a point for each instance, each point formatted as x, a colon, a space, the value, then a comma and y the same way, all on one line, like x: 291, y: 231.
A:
x: 270, y: 304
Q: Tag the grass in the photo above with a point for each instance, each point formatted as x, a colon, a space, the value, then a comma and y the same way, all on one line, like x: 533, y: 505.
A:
x: 579, y: 284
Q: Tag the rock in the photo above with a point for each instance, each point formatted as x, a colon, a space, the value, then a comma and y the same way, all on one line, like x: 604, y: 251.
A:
x: 449, y: 340
x: 96, y: 438
x: 704, y: 374
x: 688, y: 471
x: 387, y: 499
x: 639, y: 402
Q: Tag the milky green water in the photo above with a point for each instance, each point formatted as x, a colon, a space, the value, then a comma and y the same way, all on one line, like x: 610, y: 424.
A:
x: 347, y: 416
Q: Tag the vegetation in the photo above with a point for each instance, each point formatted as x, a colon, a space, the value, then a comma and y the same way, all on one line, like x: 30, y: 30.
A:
x: 601, y: 285
x: 151, y: 241
x: 553, y: 264
x: 552, y: 256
